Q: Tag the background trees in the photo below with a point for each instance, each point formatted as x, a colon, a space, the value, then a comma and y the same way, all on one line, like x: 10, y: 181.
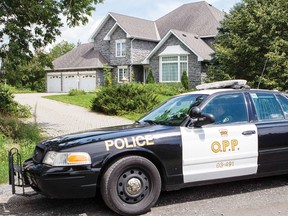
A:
x: 253, y: 44
x: 27, y: 25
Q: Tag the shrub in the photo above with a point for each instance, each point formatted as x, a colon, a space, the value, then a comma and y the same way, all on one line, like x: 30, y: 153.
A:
x: 9, y: 107
x: 121, y: 99
x: 185, y: 80
x: 7, y: 104
x: 14, y: 128
x: 74, y: 92
x: 150, y: 77
x: 169, y: 89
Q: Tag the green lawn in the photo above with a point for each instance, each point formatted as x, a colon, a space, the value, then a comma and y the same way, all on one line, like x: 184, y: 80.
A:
x: 86, y: 102
x: 79, y: 100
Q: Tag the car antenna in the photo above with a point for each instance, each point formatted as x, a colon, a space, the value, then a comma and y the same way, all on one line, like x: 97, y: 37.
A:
x: 262, y: 73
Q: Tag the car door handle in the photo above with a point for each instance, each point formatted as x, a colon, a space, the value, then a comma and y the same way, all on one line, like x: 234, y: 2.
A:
x: 250, y: 132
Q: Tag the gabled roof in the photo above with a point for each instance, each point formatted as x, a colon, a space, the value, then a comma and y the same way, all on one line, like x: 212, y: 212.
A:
x: 191, y: 41
x: 132, y: 26
x: 199, y: 18
x: 82, y: 57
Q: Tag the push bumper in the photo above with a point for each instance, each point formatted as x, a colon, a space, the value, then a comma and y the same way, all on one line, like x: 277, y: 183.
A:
x: 54, y: 182
x: 61, y: 182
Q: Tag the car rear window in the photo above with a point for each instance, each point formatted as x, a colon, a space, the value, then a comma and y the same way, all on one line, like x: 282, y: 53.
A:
x: 267, y: 107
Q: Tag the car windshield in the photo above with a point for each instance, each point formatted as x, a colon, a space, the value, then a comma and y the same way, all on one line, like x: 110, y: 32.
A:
x: 173, y: 111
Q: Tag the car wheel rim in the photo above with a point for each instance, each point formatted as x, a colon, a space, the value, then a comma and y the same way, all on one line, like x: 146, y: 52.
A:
x: 133, y: 186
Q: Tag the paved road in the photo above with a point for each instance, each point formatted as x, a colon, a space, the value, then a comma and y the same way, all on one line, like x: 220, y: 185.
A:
x: 258, y: 197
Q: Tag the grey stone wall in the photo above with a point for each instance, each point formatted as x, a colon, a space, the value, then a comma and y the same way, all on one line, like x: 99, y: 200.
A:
x: 140, y: 49
x: 117, y: 35
x: 102, y: 45
x: 194, y: 66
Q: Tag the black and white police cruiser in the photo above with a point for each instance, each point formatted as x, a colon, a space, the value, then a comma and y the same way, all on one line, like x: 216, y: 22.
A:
x: 222, y: 132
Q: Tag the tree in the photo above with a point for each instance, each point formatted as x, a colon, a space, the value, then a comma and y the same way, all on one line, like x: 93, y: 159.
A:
x: 60, y: 49
x: 27, y: 24
x: 150, y: 77
x: 107, y: 75
x: 252, y: 44
x: 29, y: 74
x: 185, y: 80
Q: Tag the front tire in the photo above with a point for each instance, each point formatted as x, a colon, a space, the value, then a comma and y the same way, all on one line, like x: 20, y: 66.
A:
x: 131, y: 186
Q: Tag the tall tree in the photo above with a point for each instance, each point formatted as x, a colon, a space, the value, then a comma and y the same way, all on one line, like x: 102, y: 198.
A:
x: 27, y: 24
x: 252, y: 44
x: 60, y: 49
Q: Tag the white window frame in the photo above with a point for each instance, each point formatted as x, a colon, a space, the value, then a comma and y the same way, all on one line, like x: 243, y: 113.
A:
x: 121, y: 52
x: 179, y: 61
x: 120, y: 72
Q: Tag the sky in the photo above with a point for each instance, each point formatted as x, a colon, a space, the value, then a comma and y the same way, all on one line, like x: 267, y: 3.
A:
x: 146, y: 9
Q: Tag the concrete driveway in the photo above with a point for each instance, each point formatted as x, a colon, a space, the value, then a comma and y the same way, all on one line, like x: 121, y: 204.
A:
x: 56, y: 118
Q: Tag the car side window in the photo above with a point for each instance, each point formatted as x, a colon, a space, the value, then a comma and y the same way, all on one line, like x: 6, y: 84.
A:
x: 284, y: 103
x: 267, y: 107
x: 228, y: 108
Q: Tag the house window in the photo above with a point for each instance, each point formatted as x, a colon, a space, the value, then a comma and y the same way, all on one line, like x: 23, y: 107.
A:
x: 122, y: 73
x: 120, y: 48
x: 172, y: 68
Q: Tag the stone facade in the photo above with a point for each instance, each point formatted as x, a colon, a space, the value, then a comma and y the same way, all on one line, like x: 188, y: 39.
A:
x: 194, y: 66
x: 102, y: 45
x: 137, y: 50
x: 141, y: 49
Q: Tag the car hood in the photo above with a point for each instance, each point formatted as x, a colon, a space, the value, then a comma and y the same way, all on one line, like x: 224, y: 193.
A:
x: 93, y: 136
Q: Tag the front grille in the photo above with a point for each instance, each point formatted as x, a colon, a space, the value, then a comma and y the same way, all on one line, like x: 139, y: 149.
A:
x: 38, y: 154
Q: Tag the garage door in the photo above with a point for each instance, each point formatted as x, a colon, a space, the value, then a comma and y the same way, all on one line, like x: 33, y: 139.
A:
x: 54, y: 82
x: 70, y: 81
x: 87, y: 81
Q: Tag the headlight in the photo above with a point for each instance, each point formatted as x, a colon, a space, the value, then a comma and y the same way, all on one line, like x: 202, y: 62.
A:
x: 66, y: 158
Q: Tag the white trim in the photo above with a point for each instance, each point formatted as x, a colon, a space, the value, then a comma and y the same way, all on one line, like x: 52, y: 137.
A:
x: 107, y: 36
x: 103, y: 21
x: 118, y: 68
x: 121, y: 42
x: 178, y: 67
x: 146, y: 60
x: 208, y: 36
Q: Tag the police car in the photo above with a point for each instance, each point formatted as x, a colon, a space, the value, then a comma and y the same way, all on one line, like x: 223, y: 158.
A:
x: 222, y: 132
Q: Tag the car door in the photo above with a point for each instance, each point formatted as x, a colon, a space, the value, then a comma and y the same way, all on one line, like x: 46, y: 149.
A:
x: 226, y: 148
x: 272, y: 125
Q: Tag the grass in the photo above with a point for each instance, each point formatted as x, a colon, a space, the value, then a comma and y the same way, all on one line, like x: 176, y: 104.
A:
x: 15, y: 133
x: 84, y: 100
x: 25, y: 149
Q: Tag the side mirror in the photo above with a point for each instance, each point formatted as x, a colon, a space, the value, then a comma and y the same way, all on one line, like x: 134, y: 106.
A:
x: 202, y: 119
x: 195, y: 112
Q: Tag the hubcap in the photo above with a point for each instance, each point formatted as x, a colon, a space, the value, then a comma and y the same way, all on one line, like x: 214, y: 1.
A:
x: 133, y: 186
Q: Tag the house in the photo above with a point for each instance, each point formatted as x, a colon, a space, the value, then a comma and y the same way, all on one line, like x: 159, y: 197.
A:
x: 180, y: 40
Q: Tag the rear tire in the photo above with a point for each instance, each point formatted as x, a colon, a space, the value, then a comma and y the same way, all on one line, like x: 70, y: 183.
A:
x: 131, y: 186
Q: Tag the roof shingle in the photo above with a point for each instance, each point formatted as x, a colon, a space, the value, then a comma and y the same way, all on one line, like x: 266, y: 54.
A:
x: 83, y: 56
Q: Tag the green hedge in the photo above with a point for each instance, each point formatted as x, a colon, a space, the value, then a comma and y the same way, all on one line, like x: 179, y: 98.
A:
x: 122, y: 99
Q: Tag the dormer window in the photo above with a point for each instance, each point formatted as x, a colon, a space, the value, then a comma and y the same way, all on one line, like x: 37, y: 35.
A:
x: 121, y: 48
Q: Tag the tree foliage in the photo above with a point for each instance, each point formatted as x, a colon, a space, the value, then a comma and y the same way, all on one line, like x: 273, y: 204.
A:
x: 150, y: 77
x: 185, y: 80
x: 29, y: 74
x: 60, y: 49
x: 27, y: 24
x: 252, y: 44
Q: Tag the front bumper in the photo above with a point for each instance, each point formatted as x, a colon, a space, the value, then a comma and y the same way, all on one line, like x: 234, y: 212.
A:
x: 61, y: 182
